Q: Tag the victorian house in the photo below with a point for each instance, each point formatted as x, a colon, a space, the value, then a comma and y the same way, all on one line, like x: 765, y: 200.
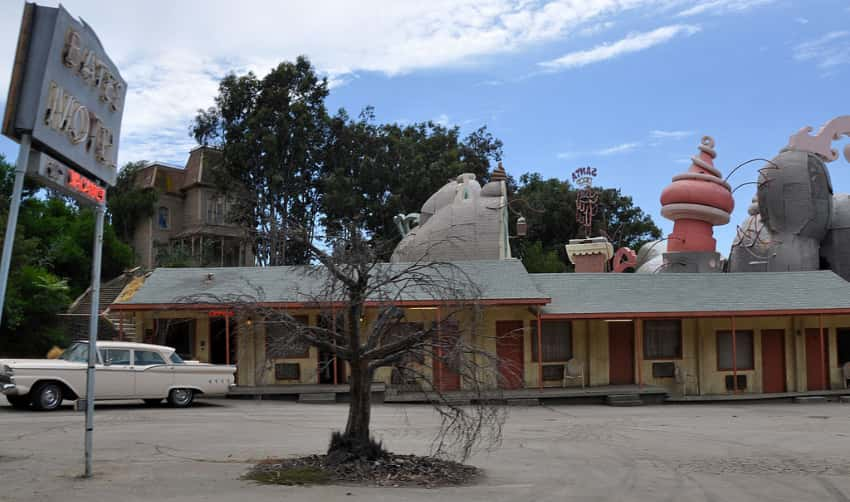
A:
x: 190, y: 224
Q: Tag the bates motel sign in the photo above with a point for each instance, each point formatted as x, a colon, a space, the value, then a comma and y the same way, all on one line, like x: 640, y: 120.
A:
x: 68, y: 94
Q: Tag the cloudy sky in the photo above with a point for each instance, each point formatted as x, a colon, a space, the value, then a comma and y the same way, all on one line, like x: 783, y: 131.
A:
x: 627, y: 86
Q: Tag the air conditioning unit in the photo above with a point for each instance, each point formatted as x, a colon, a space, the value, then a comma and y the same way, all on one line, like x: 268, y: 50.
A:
x: 663, y: 370
x: 730, y: 382
x: 287, y: 371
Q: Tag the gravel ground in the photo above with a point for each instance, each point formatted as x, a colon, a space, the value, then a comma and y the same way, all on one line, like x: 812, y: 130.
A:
x: 712, y: 452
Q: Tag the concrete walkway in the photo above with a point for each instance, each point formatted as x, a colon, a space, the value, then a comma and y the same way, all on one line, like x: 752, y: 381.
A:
x: 712, y: 452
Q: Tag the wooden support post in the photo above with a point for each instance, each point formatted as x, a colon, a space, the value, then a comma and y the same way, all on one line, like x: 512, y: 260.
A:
x: 333, y: 330
x: 439, y: 350
x: 540, y: 352
x: 639, y: 350
x: 734, y: 358
x: 822, y: 353
x: 121, y: 327
x: 226, y: 338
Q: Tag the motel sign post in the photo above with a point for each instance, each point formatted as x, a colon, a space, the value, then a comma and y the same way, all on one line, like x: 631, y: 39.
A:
x: 64, y: 108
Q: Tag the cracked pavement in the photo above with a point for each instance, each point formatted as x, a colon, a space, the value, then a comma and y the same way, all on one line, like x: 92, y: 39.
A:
x: 711, y: 452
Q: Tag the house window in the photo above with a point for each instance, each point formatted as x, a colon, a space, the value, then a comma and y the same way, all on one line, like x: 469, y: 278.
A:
x: 557, y: 341
x: 162, y: 218
x: 280, y: 342
x: 743, y: 350
x: 215, y: 210
x: 662, y: 339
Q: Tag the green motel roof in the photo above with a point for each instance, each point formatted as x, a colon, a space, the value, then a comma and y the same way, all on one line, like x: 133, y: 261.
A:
x: 611, y: 294
x: 489, y: 281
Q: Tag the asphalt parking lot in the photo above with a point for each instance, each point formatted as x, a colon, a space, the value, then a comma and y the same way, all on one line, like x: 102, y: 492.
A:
x: 688, y: 452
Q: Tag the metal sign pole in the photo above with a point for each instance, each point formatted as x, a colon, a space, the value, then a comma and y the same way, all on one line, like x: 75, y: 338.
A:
x: 93, y: 319
x: 12, y: 220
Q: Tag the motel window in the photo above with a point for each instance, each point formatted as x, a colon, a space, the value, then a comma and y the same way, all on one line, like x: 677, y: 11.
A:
x: 162, y: 218
x: 662, y: 339
x: 557, y: 337
x: 743, y: 350
x: 404, y: 330
x: 280, y: 342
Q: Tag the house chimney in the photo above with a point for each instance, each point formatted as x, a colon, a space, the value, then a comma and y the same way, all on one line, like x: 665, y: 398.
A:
x: 590, y: 255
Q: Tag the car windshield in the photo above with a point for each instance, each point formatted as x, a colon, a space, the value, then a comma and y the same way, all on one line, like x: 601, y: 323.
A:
x: 76, y: 353
x: 175, y: 359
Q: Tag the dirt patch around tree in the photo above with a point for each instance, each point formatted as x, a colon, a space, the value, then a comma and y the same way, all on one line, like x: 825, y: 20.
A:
x: 390, y: 470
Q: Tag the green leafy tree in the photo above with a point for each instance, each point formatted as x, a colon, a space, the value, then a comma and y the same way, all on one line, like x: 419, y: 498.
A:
x: 51, y: 265
x: 540, y: 261
x: 272, y: 133
x: 549, y: 206
x: 127, y: 202
x: 374, y: 172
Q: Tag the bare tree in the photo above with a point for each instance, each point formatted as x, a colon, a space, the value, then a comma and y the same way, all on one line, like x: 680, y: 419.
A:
x: 364, y: 304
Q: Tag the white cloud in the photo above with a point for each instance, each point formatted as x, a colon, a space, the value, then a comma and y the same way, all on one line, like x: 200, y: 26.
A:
x: 827, y: 52
x: 723, y: 7
x: 173, y: 53
x: 441, y: 119
x: 595, y: 29
x: 604, y: 152
x: 621, y: 148
x: 801, y: 20
x: 632, y: 43
x: 660, y: 134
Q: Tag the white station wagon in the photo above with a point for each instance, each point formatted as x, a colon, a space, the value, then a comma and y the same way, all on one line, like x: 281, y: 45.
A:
x: 124, y: 370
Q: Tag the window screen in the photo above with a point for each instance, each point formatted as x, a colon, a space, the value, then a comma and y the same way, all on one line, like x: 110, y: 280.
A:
x: 743, y: 350
x: 662, y: 339
x: 557, y: 341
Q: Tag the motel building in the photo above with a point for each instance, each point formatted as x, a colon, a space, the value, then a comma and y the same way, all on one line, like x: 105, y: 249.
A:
x: 773, y: 320
x: 684, y: 335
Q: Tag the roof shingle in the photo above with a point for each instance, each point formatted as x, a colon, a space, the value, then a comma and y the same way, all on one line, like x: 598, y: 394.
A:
x: 494, y: 280
x: 583, y: 294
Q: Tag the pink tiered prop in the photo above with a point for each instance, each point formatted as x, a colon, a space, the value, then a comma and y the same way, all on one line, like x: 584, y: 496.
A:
x: 696, y: 201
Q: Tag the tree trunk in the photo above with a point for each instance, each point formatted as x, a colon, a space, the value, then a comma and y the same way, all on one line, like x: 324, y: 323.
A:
x: 360, y: 409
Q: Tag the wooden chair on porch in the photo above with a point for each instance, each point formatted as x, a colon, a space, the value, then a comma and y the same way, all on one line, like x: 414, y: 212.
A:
x: 573, y: 370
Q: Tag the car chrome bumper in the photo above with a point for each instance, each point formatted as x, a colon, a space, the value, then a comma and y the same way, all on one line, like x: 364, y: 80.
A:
x: 9, y: 389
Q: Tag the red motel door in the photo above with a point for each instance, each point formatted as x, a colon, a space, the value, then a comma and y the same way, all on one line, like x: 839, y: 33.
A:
x: 509, y: 349
x: 773, y: 360
x: 621, y: 353
x: 814, y: 370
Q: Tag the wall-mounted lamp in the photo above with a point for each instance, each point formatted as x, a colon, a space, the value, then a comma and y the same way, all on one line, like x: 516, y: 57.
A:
x: 521, y: 227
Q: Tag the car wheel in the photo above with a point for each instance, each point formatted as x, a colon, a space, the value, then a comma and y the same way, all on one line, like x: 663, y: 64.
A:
x: 181, y: 398
x: 153, y: 402
x: 19, y: 402
x: 47, y: 397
